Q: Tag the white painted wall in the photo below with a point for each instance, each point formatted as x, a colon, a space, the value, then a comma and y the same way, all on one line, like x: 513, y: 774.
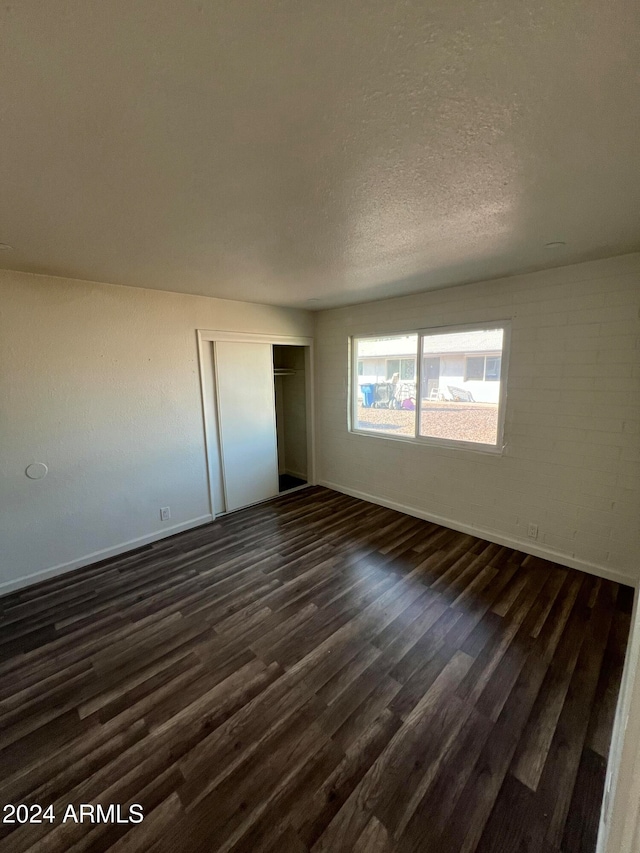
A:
x: 619, y: 830
x: 572, y: 461
x: 101, y: 383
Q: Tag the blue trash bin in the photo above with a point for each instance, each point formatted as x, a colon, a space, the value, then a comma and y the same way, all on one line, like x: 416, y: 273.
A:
x: 367, y: 395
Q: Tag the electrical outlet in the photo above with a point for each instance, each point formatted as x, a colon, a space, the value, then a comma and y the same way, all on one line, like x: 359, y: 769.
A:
x: 165, y: 513
x: 532, y: 531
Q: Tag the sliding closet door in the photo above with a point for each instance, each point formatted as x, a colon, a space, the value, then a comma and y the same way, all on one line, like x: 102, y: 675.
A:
x: 247, y: 420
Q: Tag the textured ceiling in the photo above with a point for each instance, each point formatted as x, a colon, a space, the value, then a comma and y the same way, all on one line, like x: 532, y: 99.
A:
x: 282, y: 151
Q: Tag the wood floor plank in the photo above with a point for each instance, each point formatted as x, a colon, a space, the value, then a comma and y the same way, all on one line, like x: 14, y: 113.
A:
x: 581, y: 829
x: 385, y: 784
x: 510, y: 826
x: 374, y: 839
x: 313, y: 673
x: 359, y: 755
x: 535, y: 742
x: 426, y: 825
x: 561, y: 767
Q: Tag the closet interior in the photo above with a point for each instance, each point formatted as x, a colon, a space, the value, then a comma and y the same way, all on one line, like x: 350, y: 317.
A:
x: 291, y: 415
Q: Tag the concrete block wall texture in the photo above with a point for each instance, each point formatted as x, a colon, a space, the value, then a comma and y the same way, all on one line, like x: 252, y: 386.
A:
x: 101, y: 383
x: 571, y: 463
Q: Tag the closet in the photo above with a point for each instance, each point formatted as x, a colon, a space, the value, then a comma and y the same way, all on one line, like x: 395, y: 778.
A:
x: 256, y: 403
x: 246, y: 416
x: 291, y: 415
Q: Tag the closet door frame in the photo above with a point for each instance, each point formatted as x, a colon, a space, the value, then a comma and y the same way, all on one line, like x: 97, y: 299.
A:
x: 206, y: 363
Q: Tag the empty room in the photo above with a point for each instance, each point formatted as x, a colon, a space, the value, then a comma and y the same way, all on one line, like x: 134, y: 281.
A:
x: 319, y: 427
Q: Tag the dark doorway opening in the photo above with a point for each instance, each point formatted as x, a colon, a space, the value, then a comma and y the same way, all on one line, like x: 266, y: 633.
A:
x: 287, y: 481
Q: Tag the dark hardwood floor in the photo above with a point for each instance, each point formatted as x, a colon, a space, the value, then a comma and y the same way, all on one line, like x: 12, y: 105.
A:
x: 314, y: 673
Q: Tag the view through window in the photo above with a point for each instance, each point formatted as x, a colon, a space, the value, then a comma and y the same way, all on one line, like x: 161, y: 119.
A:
x: 452, y: 392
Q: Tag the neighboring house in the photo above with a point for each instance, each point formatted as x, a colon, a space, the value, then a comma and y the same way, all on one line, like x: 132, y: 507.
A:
x: 468, y: 360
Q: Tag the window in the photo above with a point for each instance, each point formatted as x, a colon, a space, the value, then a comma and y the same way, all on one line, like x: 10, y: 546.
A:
x: 492, y: 368
x: 408, y: 368
x: 475, y: 368
x: 438, y: 386
x: 484, y: 368
x: 385, y: 392
x: 404, y: 368
x: 393, y: 368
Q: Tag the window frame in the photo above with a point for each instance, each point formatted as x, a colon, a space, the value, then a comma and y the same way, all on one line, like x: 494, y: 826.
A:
x: 422, y: 440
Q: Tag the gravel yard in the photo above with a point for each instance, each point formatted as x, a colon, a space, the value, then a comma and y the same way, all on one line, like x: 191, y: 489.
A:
x: 459, y: 421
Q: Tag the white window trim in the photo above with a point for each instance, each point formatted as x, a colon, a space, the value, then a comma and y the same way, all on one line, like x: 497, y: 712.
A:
x: 431, y: 441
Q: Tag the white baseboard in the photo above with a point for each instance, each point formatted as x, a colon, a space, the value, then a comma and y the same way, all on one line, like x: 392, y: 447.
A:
x: 104, y: 554
x: 524, y: 545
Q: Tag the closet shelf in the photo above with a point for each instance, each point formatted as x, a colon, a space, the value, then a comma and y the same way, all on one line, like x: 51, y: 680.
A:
x: 284, y: 371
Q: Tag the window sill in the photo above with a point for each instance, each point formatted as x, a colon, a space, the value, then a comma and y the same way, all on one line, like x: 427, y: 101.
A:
x: 424, y: 441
